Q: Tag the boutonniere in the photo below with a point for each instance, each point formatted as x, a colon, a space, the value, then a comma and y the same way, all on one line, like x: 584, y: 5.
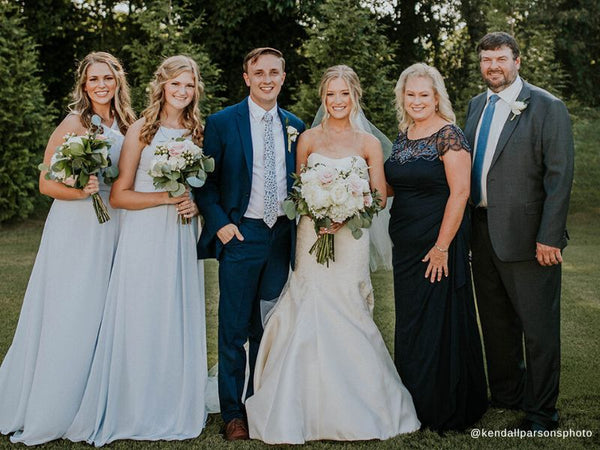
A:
x: 292, y: 134
x: 517, y: 107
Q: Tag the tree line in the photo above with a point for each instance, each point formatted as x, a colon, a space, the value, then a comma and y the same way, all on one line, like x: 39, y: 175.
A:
x: 42, y: 40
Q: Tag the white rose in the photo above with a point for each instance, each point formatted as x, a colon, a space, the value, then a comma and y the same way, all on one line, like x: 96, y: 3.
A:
x: 309, y: 176
x: 59, y: 175
x: 75, y: 140
x: 339, y: 194
x: 356, y: 184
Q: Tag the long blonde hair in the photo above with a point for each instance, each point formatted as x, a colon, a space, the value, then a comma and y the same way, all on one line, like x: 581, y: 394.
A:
x: 349, y: 76
x: 422, y: 70
x: 120, y: 103
x: 171, y: 68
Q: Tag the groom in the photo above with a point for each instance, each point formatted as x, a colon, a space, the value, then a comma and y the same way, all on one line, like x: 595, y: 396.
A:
x: 253, y: 145
x: 521, y: 182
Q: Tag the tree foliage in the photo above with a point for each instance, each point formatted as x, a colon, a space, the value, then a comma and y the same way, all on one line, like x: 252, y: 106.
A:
x: 237, y: 26
x: 366, y: 49
x: 164, y: 33
x: 24, y: 117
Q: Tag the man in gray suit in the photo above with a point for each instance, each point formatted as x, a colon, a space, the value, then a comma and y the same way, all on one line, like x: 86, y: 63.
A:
x: 521, y: 182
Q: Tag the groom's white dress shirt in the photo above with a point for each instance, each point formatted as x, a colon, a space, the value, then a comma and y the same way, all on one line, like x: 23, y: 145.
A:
x: 256, y: 205
x: 501, y: 113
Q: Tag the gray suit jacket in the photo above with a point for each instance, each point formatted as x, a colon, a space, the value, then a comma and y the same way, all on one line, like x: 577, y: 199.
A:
x: 530, y: 178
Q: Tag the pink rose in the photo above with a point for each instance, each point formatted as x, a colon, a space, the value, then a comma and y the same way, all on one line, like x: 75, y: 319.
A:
x: 326, y: 176
x: 101, y: 137
x: 176, y: 148
x: 368, y: 200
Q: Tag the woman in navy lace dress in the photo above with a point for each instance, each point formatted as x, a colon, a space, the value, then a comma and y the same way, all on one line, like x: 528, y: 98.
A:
x: 437, y: 343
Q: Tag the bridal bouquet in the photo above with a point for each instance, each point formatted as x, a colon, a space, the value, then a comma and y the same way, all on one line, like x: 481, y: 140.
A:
x: 79, y: 157
x: 178, y: 164
x: 329, y: 195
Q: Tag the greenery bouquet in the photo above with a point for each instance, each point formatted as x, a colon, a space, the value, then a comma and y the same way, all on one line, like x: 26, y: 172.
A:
x: 329, y: 195
x: 79, y: 157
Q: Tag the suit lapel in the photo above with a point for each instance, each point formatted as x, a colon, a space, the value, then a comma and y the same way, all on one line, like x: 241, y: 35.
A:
x: 473, y: 119
x: 510, y: 124
x: 290, y: 160
x: 243, y: 121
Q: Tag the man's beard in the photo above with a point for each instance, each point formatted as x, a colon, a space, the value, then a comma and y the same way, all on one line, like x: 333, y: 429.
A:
x: 501, y: 83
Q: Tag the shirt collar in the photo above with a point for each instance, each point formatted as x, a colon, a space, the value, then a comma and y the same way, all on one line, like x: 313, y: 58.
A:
x: 509, y: 94
x: 257, y: 112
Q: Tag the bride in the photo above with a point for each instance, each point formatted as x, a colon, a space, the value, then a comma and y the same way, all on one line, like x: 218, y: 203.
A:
x: 323, y: 370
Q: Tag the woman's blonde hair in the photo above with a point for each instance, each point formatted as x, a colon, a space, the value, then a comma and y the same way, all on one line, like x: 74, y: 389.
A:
x: 120, y: 103
x: 444, y: 108
x: 349, y: 76
x: 171, y: 68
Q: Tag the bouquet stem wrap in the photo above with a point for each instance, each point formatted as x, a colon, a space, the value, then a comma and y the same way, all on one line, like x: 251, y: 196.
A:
x: 100, y: 208
x: 324, y: 249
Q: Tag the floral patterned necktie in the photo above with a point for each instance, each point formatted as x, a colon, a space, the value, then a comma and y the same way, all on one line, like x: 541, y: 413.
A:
x: 271, y: 209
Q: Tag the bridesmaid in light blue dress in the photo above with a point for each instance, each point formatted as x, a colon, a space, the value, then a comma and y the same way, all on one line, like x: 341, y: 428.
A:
x: 44, y: 373
x: 149, y: 374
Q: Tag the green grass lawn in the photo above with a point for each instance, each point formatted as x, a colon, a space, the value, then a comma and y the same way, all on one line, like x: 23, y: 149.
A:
x: 579, y: 401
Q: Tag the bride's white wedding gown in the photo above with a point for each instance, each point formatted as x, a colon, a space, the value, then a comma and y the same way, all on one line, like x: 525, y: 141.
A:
x: 323, y: 371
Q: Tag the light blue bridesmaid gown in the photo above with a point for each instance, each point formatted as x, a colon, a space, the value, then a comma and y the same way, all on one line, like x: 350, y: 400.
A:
x: 149, y: 373
x: 44, y: 373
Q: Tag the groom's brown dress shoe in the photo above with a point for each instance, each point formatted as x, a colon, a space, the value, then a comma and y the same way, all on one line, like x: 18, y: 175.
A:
x: 236, y: 430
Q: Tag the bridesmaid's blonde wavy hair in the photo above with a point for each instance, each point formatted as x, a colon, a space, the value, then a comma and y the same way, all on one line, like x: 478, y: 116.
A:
x: 444, y: 109
x: 171, y: 68
x: 120, y: 103
x: 349, y: 76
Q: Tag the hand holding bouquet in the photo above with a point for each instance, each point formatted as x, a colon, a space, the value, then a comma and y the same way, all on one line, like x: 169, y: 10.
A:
x: 329, y: 195
x: 80, y: 157
x: 178, y: 164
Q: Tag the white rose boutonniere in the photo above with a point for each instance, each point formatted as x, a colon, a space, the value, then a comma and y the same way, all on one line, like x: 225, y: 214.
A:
x: 517, y: 107
x: 292, y: 135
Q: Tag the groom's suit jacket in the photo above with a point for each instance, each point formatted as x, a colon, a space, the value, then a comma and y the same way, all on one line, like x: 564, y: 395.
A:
x: 530, y: 177
x: 225, y: 196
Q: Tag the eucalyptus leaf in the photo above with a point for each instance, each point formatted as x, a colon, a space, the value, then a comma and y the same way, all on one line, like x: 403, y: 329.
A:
x: 357, y: 233
x: 201, y: 175
x: 209, y: 164
x: 96, y: 120
x: 172, y: 186
x: 289, y: 208
x: 195, y: 182
x: 180, y: 190
x: 355, y: 222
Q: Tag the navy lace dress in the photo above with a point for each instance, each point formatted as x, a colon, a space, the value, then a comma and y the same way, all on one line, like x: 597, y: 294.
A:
x: 437, y: 345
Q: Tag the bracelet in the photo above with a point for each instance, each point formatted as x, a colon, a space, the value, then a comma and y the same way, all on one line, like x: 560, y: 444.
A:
x: 440, y: 249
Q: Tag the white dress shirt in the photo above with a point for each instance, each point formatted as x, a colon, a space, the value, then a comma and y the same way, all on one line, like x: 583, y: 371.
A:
x: 256, y: 205
x: 501, y: 113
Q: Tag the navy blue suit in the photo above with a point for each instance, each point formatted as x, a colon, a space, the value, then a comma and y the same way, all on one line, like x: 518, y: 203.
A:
x: 250, y: 270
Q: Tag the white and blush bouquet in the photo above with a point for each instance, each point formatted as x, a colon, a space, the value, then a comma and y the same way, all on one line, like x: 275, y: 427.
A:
x: 178, y: 164
x: 79, y: 157
x: 329, y: 195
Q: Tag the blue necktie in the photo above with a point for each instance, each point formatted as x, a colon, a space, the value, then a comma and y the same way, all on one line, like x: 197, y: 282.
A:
x: 271, y: 207
x: 482, y: 139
